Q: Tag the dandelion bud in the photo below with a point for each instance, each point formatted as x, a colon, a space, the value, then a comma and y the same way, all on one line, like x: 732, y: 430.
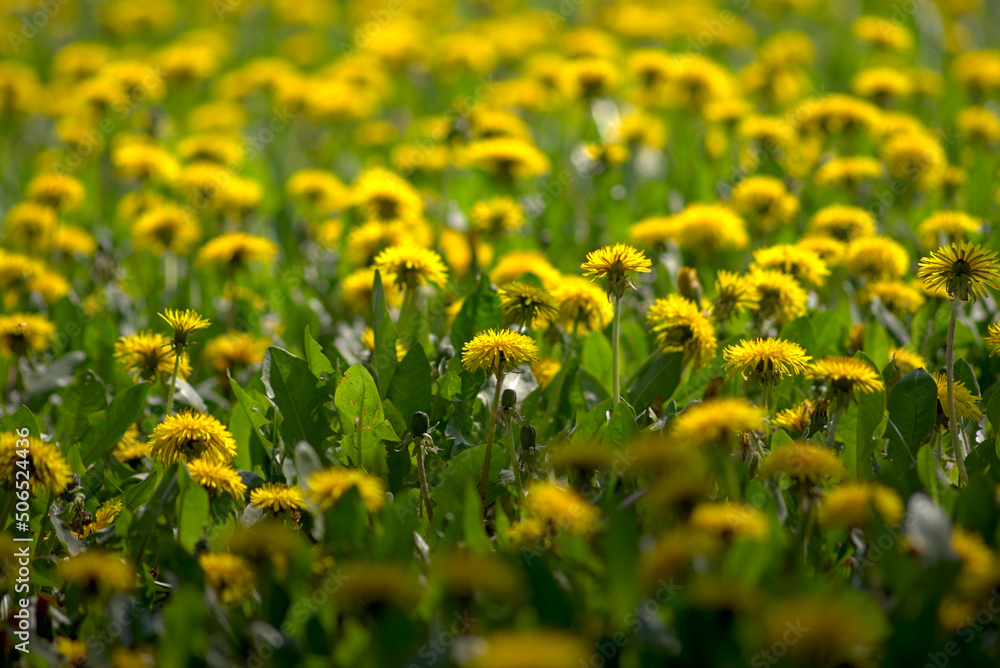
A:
x: 527, y: 437
x: 420, y: 423
x: 508, y: 399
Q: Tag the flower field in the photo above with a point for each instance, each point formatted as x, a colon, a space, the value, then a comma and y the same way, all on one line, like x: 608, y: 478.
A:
x: 500, y: 334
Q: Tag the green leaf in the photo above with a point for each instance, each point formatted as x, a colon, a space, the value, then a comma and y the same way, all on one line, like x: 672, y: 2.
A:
x: 859, y: 426
x: 993, y: 413
x: 912, y: 408
x: 298, y: 396
x: 20, y: 419
x: 657, y: 380
x: 192, y: 512
x: 819, y: 333
x: 106, y: 429
x: 85, y: 397
x: 318, y: 363
x: 251, y: 444
x: 480, y: 311
x: 930, y: 473
x: 410, y: 388
x: 622, y: 425
x: 384, y: 359
x: 467, y: 468
x: 138, y: 494
x: 964, y: 373
x: 596, y: 357
x: 362, y: 420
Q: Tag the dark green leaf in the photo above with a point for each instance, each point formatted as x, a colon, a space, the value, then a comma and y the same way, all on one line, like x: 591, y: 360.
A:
x: 106, y: 429
x: 318, y: 363
x: 297, y: 394
x: 410, y: 389
x: 480, y: 311
x: 658, y: 380
x: 384, y: 358
x: 912, y: 408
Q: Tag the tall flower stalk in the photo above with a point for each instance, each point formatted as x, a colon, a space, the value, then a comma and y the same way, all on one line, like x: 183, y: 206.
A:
x: 183, y: 324
x: 496, y: 352
x: 615, y: 263
x: 964, y: 271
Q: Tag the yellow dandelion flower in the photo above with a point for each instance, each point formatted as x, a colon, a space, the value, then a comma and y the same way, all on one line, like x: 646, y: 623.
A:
x: 993, y: 338
x: 103, y: 518
x: 854, y: 628
x: 217, y: 478
x: 235, y: 350
x: 167, y: 227
x: 855, y: 504
x: 145, y: 162
x: 496, y: 216
x: 915, y: 156
x: 849, y: 172
x: 31, y: 226
x: 979, y: 563
x: 326, y: 487
x: 583, y: 307
x: 561, y: 508
x: 765, y: 361
x: 59, y: 191
x: 726, y: 519
x: 231, y: 576
x: 317, y: 189
x: 96, y: 569
x: 71, y: 241
x: 843, y: 223
x: 963, y: 270
x: 544, y: 370
x: 979, y: 125
x: 237, y: 249
x: 797, y: 262
x: 46, y: 465
x: 966, y: 403
x: 385, y: 197
x: 357, y: 288
x: 829, y: 250
x: 883, y: 33
x: 278, y: 497
x: 587, y: 457
x: 765, y: 200
x: 25, y: 334
x: 846, y: 375
x: 734, y: 295
x: 716, y: 422
x: 615, y: 263
x: 906, y: 360
x: 898, y: 297
x: 673, y: 554
x: 680, y: 325
x: 876, y: 258
x: 796, y: 419
x: 496, y: 351
x: 150, y: 356
x: 534, y: 648
x: 946, y: 227
x: 802, y: 460
x: 464, y: 574
x: 508, y: 157
x: 184, y: 323
x: 369, y: 585
x: 131, y: 447
x: 779, y: 297
x: 410, y: 266
x: 882, y: 84
x: 189, y: 436
x: 523, y: 304
x: 74, y: 651
x: 517, y: 264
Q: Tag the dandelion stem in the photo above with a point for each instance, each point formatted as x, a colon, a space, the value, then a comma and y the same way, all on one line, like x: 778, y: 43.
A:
x: 515, y: 464
x: 424, y: 491
x: 616, y: 335
x: 173, y: 380
x: 484, y: 483
x: 953, y: 427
